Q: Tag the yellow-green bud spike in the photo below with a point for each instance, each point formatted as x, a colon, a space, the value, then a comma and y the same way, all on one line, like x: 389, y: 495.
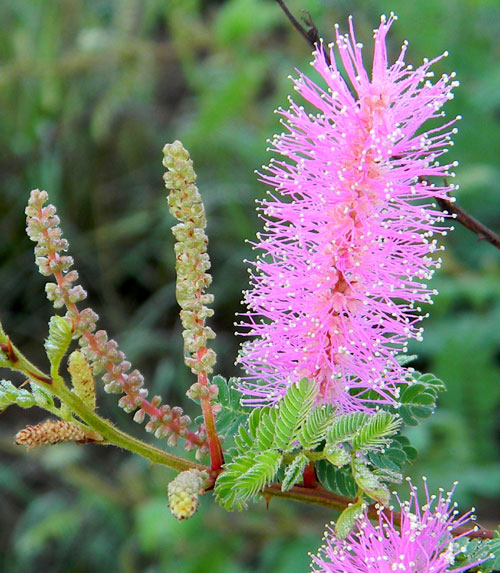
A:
x: 82, y: 378
x: 183, y: 493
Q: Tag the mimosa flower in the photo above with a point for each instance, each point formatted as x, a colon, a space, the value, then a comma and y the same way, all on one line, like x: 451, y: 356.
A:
x: 422, y: 543
x: 347, y: 247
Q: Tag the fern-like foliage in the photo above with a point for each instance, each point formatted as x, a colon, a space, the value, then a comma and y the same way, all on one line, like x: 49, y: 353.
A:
x: 474, y: 550
x: 293, y: 411
x: 294, y: 471
x: 245, y: 476
x: 376, y: 433
x: 418, y: 400
x: 364, y: 431
x: 262, y: 442
x: 261, y: 471
x: 314, y: 428
x: 349, y: 450
x: 231, y: 414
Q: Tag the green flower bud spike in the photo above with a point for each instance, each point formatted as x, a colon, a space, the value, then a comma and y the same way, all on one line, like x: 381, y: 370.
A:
x: 192, y: 262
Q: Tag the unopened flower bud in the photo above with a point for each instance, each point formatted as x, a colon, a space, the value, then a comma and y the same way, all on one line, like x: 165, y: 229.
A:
x: 183, y: 493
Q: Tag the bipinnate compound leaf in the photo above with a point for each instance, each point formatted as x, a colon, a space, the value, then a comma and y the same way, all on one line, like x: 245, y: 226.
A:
x: 294, y: 472
x: 376, y: 432
x: 294, y: 407
x: 243, y: 440
x: 245, y: 476
x: 58, y: 341
x: 232, y: 414
x: 313, y: 430
x: 261, y: 472
x: 266, y: 430
x: 347, y: 519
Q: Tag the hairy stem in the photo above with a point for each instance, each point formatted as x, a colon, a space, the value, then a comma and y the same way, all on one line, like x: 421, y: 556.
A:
x: 103, y: 427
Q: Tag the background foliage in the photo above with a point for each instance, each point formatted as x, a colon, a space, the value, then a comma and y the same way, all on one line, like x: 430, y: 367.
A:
x: 90, y: 92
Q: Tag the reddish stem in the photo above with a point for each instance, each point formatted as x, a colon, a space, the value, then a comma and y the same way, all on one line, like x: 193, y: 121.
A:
x: 310, y: 476
x: 216, y: 456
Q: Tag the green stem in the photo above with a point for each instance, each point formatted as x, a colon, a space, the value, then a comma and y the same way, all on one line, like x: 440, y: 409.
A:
x: 116, y: 437
x: 109, y: 433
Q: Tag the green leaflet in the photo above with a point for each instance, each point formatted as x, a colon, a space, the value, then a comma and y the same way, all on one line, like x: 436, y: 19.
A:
x: 294, y: 472
x: 245, y: 476
x: 57, y: 342
x: 477, y: 549
x: 374, y: 435
x: 232, y: 413
x: 243, y: 440
x: 294, y: 407
x: 347, y: 518
x: 314, y: 429
x: 365, y: 431
x: 404, y: 359
x: 338, y: 481
x: 10, y: 394
x: 418, y: 400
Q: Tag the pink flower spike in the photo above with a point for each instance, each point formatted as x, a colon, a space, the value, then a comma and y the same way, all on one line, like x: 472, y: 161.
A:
x: 423, y: 543
x: 347, y: 247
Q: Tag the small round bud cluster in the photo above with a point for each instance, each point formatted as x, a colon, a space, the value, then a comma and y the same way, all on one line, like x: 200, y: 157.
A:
x: 183, y: 493
x: 49, y: 433
x: 198, y: 391
x: 192, y: 260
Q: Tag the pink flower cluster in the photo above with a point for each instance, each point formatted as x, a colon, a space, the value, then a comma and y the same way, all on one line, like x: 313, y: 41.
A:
x: 423, y: 541
x: 347, y: 247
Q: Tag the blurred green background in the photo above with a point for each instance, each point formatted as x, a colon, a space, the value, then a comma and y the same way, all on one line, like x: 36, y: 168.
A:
x: 90, y: 91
